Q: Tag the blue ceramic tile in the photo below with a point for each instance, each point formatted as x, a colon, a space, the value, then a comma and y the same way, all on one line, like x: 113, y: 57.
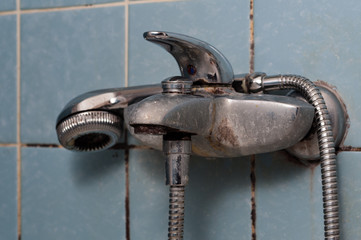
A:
x: 217, y: 198
x: 8, y: 79
x: 225, y: 26
x: 148, y: 195
x: 8, y: 199
x: 7, y: 5
x: 288, y: 198
x: 349, y: 166
x: 26, y: 4
x: 319, y: 40
x: 69, y: 195
x: 65, y: 54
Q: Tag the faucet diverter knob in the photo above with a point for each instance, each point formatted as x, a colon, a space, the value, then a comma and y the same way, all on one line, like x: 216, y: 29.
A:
x: 197, y: 60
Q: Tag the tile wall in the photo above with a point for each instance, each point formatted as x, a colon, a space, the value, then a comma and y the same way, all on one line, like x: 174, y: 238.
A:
x: 52, y: 51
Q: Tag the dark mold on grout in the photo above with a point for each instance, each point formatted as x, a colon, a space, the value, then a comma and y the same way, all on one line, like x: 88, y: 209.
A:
x: 127, y: 202
x: 251, y: 37
x: 253, y: 157
x: 253, y: 196
x: 41, y: 145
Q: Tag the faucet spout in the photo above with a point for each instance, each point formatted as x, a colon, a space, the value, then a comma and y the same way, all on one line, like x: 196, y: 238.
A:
x: 93, y: 121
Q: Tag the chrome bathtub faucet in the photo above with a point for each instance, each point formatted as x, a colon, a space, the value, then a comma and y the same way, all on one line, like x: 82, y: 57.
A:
x: 209, y: 111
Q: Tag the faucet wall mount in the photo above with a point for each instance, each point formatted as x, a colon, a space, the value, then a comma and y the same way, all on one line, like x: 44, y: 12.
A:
x: 208, y: 111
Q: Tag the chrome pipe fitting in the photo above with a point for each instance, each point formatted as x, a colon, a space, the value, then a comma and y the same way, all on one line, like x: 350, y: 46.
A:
x: 177, y: 85
x: 177, y: 154
x: 254, y: 82
x: 177, y: 149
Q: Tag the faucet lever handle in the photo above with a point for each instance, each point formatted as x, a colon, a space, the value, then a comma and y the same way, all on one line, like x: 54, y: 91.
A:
x: 197, y: 60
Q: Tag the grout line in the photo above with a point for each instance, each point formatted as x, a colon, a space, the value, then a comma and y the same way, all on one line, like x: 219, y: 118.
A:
x: 8, y: 144
x: 8, y: 13
x: 126, y: 152
x: 18, y: 114
x: 153, y: 1
x: 253, y: 157
x: 253, y: 196
x: 41, y: 145
x: 67, y: 8
x: 127, y: 208
x: 349, y: 149
x: 86, y: 6
x: 126, y: 42
x: 140, y: 147
x: 124, y: 146
x: 251, y: 37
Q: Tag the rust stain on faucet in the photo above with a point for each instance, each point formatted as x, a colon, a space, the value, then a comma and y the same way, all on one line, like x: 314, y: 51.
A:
x: 226, y: 134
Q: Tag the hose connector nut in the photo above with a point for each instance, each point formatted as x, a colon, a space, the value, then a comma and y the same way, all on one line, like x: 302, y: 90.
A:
x: 177, y: 85
x: 254, y: 82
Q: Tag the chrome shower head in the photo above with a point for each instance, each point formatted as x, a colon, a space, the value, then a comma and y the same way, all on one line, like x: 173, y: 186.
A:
x: 90, y: 131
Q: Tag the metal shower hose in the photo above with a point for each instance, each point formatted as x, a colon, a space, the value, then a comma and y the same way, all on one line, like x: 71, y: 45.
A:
x: 326, y: 145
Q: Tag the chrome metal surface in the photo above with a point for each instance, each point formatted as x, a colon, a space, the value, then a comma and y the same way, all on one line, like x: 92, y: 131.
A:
x: 326, y: 146
x: 90, y: 131
x: 176, y: 212
x: 108, y: 99
x: 254, y: 82
x: 86, y: 123
x: 223, y: 123
x: 308, y: 148
x: 177, y: 149
x: 177, y: 85
x: 177, y: 154
x: 197, y: 60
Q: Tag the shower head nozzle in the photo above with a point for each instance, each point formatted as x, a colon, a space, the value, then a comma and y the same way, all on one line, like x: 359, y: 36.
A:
x: 90, y: 131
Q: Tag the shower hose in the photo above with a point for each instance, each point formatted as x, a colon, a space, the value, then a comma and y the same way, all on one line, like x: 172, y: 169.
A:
x: 326, y: 145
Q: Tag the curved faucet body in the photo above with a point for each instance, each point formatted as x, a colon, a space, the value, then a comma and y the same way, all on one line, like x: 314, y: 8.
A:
x: 222, y: 119
x: 223, y: 123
